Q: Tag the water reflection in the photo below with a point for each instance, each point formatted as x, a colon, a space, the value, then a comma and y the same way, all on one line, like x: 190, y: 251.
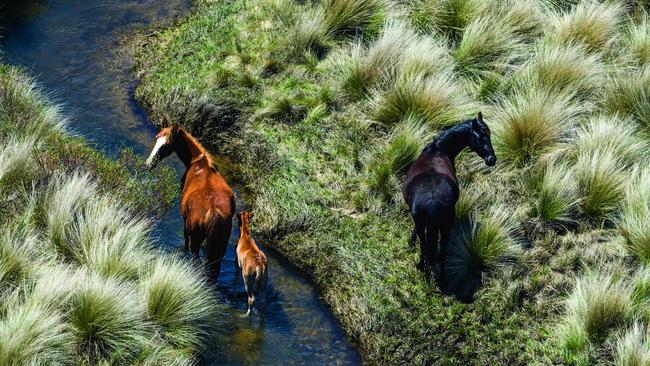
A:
x: 69, y: 46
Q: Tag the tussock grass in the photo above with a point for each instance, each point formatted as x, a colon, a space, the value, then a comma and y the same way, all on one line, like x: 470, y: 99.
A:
x: 351, y: 16
x: 16, y: 162
x: 178, y: 301
x: 633, y: 348
x: 310, y: 35
x: 611, y: 134
x: 487, y: 46
x: 592, y: 23
x: 637, y: 42
x: 598, y: 305
x: 398, y: 51
x: 448, y: 17
x: 600, y: 177
x: 394, y: 158
x: 528, y: 122
x: 437, y: 99
x: 32, y: 335
x: 557, y: 202
x: 484, y: 243
x: 19, y: 255
x: 629, y: 96
x: 633, y: 220
x: 107, y: 320
x: 565, y: 69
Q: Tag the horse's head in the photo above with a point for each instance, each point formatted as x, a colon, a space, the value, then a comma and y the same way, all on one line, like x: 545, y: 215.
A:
x: 244, y: 220
x: 163, y: 146
x: 480, y: 141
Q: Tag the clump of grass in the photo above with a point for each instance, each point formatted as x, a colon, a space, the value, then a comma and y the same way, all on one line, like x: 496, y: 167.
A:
x: 527, y: 18
x: 562, y: 69
x: 19, y: 255
x: 309, y: 35
x: 106, y: 319
x: 597, y: 306
x: 593, y: 23
x: 403, y: 147
x: 487, y: 241
x: 629, y: 95
x: 398, y: 50
x: 600, y: 176
x: 437, y: 99
x: 448, y: 17
x: 53, y: 285
x: 108, y: 239
x: 351, y: 16
x: 487, y: 46
x: 635, y: 210
x: 633, y: 348
x: 530, y: 121
x: 177, y: 300
x: 32, y: 335
x: 611, y: 134
x: 17, y: 162
x: 25, y: 111
x: 65, y: 195
x: 637, y: 42
x: 556, y: 202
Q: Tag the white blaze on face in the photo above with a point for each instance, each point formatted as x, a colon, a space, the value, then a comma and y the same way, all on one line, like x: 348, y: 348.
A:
x: 162, y: 140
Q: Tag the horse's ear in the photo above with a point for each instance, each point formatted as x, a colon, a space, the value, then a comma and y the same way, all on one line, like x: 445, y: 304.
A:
x: 480, y: 117
x: 164, y: 121
x: 475, y: 124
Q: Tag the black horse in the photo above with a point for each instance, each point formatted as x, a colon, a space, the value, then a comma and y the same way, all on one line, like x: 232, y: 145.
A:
x: 431, y: 187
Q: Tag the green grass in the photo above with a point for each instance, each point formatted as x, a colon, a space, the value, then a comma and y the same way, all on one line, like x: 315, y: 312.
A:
x: 557, y: 201
x: 325, y: 135
x: 633, y: 348
x: 77, y: 264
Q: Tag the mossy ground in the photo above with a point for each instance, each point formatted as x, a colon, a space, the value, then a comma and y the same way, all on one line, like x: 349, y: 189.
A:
x: 311, y: 112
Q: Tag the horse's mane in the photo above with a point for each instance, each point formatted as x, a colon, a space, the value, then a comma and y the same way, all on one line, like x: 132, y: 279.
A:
x: 442, y: 134
x: 204, y: 151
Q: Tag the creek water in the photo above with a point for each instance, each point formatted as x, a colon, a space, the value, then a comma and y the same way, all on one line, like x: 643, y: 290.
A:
x: 69, y: 46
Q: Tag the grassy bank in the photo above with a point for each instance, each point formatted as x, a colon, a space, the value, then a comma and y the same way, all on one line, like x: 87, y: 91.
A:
x: 80, y: 282
x: 324, y: 105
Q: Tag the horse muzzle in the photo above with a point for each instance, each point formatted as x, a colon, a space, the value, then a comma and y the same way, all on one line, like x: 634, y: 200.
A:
x: 491, y: 160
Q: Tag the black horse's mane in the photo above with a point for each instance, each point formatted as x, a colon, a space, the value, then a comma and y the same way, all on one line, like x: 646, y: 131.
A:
x: 444, y: 133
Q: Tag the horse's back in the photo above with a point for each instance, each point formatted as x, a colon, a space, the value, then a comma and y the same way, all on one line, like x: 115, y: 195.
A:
x: 206, y: 196
x: 430, y: 181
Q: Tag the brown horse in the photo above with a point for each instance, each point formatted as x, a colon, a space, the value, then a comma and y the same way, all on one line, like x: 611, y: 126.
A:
x: 250, y: 260
x: 207, y: 202
x: 431, y: 187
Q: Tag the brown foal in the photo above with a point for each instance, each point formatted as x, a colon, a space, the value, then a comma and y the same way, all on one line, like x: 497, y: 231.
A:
x: 251, y: 260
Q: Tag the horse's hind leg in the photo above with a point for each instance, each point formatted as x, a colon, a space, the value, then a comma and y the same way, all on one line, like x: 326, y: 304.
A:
x: 216, y: 245
x: 413, y: 238
x: 445, y: 232
x: 186, y: 236
x: 419, y: 230
x: 249, y: 284
x: 196, y: 238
